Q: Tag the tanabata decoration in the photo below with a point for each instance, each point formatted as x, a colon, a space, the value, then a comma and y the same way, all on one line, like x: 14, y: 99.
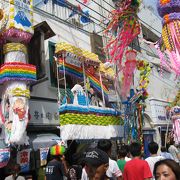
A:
x: 80, y: 53
x: 78, y: 73
x: 85, y: 113
x: 176, y: 101
x: 57, y: 150
x: 1, y: 14
x: 17, y: 22
x: 15, y: 74
x: 128, y: 71
x: 145, y: 69
x: 175, y: 116
x: 17, y: 71
x: 169, y: 10
x: 124, y: 22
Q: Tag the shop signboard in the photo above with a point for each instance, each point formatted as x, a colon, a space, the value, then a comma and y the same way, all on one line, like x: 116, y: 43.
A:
x: 4, y: 157
x: 43, y: 155
x: 23, y: 159
x: 73, y: 61
x: 43, y: 112
x: 158, y: 110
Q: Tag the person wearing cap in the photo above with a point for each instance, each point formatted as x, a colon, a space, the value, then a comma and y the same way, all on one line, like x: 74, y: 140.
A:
x: 113, y: 172
x: 96, y: 163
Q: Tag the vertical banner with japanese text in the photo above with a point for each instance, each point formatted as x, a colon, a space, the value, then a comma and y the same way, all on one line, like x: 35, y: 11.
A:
x: 4, y: 157
x: 43, y: 155
x: 23, y: 159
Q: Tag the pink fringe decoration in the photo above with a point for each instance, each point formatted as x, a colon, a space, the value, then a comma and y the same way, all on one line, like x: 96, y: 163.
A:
x: 128, y: 71
x: 16, y: 35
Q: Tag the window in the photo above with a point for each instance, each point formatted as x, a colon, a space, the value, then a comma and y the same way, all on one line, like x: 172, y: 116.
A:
x: 52, y: 65
x: 148, y: 34
x: 135, y: 44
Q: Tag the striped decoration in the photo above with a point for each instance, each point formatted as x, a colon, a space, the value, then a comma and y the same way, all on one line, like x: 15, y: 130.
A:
x: 57, y: 150
x: 89, y: 119
x: 17, y: 71
x: 78, y: 72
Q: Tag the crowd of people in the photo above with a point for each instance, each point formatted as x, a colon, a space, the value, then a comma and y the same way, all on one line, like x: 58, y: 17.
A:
x: 97, y: 164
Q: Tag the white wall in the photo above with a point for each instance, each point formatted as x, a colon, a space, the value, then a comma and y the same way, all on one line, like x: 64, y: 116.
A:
x: 63, y: 33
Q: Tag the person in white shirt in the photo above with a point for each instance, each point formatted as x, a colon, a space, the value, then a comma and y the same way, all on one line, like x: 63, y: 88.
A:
x: 174, y: 152
x: 153, y: 149
x: 165, y: 154
x: 113, y: 171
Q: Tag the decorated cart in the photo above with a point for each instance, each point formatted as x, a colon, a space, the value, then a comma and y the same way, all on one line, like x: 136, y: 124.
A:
x: 84, y: 108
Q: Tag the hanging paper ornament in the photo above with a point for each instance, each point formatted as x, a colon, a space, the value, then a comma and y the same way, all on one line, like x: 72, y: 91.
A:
x: 125, y: 22
x: 145, y: 69
x: 169, y: 11
x: 17, y: 25
x: 1, y: 14
x: 175, y: 116
x: 128, y: 71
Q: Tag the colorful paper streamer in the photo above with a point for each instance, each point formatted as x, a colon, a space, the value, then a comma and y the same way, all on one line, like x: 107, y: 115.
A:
x: 17, y: 71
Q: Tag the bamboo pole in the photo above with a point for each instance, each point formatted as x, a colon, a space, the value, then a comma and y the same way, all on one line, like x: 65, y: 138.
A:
x: 102, y: 91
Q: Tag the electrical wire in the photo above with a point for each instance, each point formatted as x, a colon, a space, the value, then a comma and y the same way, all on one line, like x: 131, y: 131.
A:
x: 49, y: 15
x: 101, y: 6
x: 69, y: 6
x: 91, y: 9
x: 108, y: 4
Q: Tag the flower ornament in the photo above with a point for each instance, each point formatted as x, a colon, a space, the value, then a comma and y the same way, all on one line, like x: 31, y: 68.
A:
x: 145, y: 69
x: 1, y: 14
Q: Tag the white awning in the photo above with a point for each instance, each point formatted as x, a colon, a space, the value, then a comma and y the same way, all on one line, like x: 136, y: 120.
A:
x: 38, y: 141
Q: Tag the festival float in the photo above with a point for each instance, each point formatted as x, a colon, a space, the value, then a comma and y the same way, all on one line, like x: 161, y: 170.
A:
x: 16, y: 30
x: 84, y: 109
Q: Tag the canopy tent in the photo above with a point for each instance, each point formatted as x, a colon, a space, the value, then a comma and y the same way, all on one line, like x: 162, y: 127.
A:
x: 38, y: 141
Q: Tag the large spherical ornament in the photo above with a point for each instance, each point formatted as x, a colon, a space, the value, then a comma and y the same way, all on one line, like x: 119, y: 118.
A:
x: 168, y: 6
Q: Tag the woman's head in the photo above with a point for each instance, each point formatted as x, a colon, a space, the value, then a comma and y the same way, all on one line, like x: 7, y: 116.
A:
x: 167, y: 169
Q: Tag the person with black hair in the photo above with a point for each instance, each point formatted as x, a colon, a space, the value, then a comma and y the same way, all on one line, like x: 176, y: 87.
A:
x: 136, y: 169
x: 153, y: 149
x: 165, y: 154
x: 15, y: 173
x: 96, y: 164
x: 113, y: 171
x: 122, y: 153
x: 56, y: 168
x: 174, y: 151
x: 167, y: 169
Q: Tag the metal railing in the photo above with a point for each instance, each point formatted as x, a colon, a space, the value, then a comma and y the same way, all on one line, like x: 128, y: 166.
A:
x: 52, y: 10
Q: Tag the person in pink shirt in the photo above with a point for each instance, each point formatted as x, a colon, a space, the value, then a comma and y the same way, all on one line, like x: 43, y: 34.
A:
x: 136, y: 169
